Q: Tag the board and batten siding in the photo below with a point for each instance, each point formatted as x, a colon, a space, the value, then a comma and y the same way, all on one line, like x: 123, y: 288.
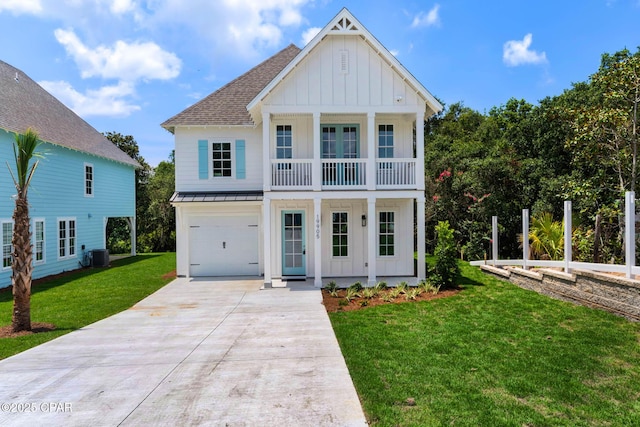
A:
x: 58, y: 192
x: 368, y: 81
x: 193, y: 153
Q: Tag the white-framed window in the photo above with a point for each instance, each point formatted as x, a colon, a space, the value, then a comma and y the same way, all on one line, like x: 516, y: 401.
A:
x: 284, y: 142
x: 88, y: 180
x: 222, y: 154
x: 38, y: 241
x: 7, y: 245
x: 385, y: 141
x: 340, y: 234
x: 66, y: 237
x: 386, y: 234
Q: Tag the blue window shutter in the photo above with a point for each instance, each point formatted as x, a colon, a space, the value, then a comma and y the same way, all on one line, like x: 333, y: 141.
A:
x: 241, y: 168
x: 203, y: 159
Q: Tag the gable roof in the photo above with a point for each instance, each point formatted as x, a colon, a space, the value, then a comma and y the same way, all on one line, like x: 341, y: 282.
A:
x: 344, y: 23
x: 228, y: 105
x: 24, y: 104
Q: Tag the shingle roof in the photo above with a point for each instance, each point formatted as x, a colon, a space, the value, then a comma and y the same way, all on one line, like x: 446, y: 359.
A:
x: 24, y: 104
x: 228, y: 105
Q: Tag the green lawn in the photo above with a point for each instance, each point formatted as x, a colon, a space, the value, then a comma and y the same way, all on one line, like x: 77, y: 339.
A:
x: 87, y: 296
x: 493, y: 355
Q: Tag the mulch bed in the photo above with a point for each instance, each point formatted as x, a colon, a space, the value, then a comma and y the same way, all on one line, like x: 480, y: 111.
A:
x: 36, y: 327
x: 339, y: 303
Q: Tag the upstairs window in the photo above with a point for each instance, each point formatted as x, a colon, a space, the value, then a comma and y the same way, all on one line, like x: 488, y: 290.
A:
x: 385, y: 141
x: 88, y: 179
x: 284, y: 142
x: 221, y: 159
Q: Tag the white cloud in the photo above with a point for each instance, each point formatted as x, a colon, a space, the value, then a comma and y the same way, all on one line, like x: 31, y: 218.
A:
x: 123, y: 61
x: 516, y: 52
x: 21, y: 6
x: 106, y: 101
x: 428, y: 19
x: 119, y: 7
x: 309, y: 34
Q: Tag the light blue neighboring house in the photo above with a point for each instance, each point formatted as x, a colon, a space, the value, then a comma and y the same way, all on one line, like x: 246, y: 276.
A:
x: 82, y: 180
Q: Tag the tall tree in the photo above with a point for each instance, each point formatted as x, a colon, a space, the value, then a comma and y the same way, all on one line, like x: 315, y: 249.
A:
x: 24, y: 151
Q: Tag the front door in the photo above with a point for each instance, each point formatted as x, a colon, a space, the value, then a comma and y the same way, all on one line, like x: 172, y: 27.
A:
x: 293, y: 244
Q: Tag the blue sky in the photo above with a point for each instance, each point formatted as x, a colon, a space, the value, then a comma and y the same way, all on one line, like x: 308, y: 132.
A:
x: 127, y: 65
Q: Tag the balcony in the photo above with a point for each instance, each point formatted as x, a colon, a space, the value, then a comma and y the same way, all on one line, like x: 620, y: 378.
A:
x: 343, y: 174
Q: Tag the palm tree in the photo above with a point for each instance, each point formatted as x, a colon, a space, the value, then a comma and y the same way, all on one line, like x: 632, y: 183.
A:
x: 24, y: 151
x: 546, y: 237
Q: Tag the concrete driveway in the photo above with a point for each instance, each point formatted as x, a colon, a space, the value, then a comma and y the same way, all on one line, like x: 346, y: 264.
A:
x: 197, y: 352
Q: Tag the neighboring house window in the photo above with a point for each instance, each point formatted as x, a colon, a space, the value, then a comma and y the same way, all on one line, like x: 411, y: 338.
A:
x: 340, y: 234
x: 88, y: 179
x: 66, y: 238
x: 386, y: 234
x: 7, y: 247
x: 221, y: 159
x: 385, y: 141
x: 38, y: 237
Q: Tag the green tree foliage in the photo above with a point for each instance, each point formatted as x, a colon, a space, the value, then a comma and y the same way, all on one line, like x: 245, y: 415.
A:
x: 546, y: 237
x: 155, y: 216
x: 446, y: 269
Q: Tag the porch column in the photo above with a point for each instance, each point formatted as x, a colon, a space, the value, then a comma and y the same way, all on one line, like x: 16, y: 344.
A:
x: 317, y: 242
x: 266, y: 250
x: 371, y: 151
x: 317, y: 154
x: 371, y: 240
x: 421, y: 238
x: 266, y: 152
x: 420, y: 150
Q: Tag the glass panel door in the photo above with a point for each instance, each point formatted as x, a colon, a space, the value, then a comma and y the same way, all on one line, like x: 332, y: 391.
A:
x: 293, y: 244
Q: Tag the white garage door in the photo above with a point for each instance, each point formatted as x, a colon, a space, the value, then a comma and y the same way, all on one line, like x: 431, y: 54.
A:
x: 223, y: 246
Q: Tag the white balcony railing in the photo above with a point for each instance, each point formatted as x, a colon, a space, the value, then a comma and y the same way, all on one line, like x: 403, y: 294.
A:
x: 344, y: 173
x: 294, y: 174
x: 395, y: 173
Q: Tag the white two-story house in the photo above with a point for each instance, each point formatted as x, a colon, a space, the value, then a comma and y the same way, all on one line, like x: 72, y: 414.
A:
x: 308, y: 165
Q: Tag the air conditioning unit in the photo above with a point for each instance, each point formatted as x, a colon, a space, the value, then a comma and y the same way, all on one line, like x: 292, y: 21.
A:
x: 100, y: 258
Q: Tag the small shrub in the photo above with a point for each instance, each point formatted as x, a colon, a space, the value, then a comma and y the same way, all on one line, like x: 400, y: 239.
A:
x: 402, y: 287
x: 446, y: 270
x: 343, y: 302
x: 332, y: 288
x: 369, y: 293
x: 429, y: 287
x: 351, y: 294
x: 395, y: 292
x: 364, y: 303
x: 387, y: 297
x: 412, y: 293
x: 357, y: 286
x: 381, y: 286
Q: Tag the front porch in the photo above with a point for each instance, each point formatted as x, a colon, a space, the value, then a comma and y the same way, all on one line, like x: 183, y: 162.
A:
x: 345, y: 282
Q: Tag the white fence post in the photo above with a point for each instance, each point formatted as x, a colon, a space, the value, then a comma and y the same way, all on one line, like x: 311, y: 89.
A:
x: 494, y: 238
x: 525, y: 238
x: 567, y: 236
x: 630, y: 232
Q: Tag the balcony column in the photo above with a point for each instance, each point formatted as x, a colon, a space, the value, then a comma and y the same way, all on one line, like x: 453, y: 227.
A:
x: 420, y: 150
x: 371, y: 240
x: 421, y: 237
x: 266, y: 250
x: 266, y: 152
x: 317, y: 242
x: 371, y: 151
x: 317, y: 154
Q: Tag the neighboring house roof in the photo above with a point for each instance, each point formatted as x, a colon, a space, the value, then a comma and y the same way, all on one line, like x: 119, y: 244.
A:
x: 344, y: 23
x: 228, y: 105
x: 24, y: 104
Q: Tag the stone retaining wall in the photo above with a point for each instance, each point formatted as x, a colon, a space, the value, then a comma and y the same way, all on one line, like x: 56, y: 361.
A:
x: 618, y: 295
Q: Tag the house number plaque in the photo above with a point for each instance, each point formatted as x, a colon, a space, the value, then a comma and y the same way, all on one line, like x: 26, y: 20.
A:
x: 317, y: 226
